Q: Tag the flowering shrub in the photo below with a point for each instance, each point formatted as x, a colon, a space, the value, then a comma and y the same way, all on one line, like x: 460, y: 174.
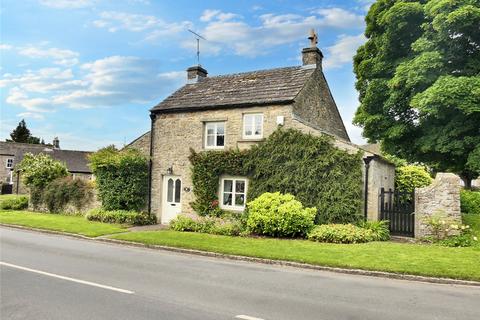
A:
x: 449, y: 233
x: 279, y: 215
x: 213, y: 225
x: 340, y: 233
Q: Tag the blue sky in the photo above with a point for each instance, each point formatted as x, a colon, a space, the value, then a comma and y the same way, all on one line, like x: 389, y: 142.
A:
x: 88, y: 71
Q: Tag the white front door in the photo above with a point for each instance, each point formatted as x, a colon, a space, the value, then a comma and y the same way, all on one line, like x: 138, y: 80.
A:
x: 172, y: 197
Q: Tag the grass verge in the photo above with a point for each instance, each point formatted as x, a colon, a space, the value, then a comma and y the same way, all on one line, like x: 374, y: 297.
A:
x: 57, y: 222
x: 426, y: 260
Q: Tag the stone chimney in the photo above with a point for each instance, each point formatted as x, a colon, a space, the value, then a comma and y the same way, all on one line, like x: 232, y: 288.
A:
x: 312, y: 55
x: 195, y: 74
x: 56, y: 143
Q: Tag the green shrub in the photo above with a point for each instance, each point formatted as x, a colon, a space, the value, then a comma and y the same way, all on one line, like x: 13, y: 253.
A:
x: 13, y: 202
x: 213, y: 225
x: 379, y: 229
x: 312, y: 169
x: 67, y: 191
x: 120, y: 216
x: 470, y: 201
x: 121, y: 178
x: 409, y: 177
x: 464, y: 239
x: 340, y: 233
x: 279, y: 215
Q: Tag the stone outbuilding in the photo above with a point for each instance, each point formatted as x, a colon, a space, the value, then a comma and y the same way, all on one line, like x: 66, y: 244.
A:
x: 238, y: 111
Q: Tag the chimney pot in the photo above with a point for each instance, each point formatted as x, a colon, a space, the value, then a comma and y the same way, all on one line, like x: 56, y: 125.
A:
x: 196, y: 73
x: 56, y: 143
x: 312, y: 55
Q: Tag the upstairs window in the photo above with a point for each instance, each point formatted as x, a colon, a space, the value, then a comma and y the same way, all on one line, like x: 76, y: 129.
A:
x: 253, y: 126
x: 233, y: 192
x: 214, y: 135
x: 9, y: 163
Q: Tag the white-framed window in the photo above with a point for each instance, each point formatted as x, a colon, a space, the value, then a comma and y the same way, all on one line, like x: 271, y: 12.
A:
x: 9, y: 163
x: 253, y: 126
x: 214, y: 135
x: 233, y: 193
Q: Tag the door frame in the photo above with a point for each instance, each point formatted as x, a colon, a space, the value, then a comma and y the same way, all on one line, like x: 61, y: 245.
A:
x: 165, y: 203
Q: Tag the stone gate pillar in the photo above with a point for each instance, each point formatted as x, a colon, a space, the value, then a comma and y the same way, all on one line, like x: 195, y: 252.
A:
x: 441, y: 197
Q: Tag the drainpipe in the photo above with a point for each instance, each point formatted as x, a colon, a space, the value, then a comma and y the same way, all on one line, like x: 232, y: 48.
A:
x: 150, y: 163
x: 366, y: 160
x: 18, y: 181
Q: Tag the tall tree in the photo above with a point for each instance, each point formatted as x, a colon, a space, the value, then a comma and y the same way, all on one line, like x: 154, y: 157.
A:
x: 418, y: 77
x: 22, y: 134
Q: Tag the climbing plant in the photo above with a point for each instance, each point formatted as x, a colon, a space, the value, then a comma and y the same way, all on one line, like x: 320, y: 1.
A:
x: 289, y: 161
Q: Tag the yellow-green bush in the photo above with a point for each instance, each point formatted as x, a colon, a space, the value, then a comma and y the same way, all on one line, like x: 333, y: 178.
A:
x: 279, y: 215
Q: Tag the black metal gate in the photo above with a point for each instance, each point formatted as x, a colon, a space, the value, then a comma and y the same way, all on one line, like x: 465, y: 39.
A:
x: 399, y: 209
x: 7, y: 189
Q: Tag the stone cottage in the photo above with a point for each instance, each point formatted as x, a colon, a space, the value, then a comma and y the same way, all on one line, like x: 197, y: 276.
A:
x: 238, y: 111
x: 11, y: 153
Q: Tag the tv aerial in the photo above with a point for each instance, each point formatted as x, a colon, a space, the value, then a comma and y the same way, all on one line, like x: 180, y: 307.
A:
x: 197, y: 37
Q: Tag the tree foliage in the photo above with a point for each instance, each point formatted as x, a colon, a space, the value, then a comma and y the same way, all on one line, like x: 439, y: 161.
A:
x: 121, y: 178
x: 22, y: 134
x: 418, y: 76
x: 39, y: 170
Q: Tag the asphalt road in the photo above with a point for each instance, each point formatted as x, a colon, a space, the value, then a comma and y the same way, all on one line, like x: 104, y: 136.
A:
x: 54, y: 277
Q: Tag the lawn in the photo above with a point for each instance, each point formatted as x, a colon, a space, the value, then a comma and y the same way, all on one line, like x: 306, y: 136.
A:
x: 427, y: 260
x: 57, y: 222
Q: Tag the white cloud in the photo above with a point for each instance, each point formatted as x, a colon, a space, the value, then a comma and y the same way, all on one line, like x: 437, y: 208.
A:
x: 31, y: 115
x: 343, y: 50
x: 229, y: 31
x: 340, y: 18
x: 62, y: 57
x: 67, y: 4
x: 5, y: 46
x: 107, y: 82
x: 115, y: 21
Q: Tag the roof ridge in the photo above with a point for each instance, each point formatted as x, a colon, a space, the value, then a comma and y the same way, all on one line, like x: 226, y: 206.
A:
x: 253, y: 71
x: 38, y: 145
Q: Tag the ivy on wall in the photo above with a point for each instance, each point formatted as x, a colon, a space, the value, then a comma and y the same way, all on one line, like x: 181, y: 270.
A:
x: 289, y: 161
x: 207, y: 167
x: 121, y: 178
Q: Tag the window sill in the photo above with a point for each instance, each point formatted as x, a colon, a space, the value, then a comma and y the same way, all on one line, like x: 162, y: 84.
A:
x: 251, y: 140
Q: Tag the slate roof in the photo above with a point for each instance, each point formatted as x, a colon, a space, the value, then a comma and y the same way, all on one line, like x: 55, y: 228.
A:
x: 263, y: 87
x: 76, y: 161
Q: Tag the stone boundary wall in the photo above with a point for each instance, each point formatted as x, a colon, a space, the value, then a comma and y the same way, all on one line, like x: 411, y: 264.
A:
x: 441, y: 197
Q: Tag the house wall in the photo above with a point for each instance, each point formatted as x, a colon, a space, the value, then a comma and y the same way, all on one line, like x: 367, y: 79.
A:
x: 176, y: 133
x: 315, y: 106
x: 142, y: 144
x: 4, y: 171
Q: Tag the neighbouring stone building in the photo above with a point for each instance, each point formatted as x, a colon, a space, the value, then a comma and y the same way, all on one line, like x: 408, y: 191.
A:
x: 237, y: 111
x: 11, y: 153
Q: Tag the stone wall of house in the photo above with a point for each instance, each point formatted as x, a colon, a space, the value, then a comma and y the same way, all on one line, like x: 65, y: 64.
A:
x: 175, y: 133
x: 316, y: 106
x: 142, y: 143
x: 6, y: 174
x: 442, y: 197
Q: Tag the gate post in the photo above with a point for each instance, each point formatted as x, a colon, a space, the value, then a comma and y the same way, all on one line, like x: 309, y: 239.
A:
x: 441, y: 197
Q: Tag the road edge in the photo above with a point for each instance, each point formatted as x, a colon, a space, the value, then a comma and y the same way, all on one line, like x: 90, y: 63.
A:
x: 371, y: 273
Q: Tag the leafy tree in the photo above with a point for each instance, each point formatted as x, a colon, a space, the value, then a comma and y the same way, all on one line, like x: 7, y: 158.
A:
x: 39, y: 170
x: 409, y: 177
x: 418, y: 78
x: 22, y: 134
